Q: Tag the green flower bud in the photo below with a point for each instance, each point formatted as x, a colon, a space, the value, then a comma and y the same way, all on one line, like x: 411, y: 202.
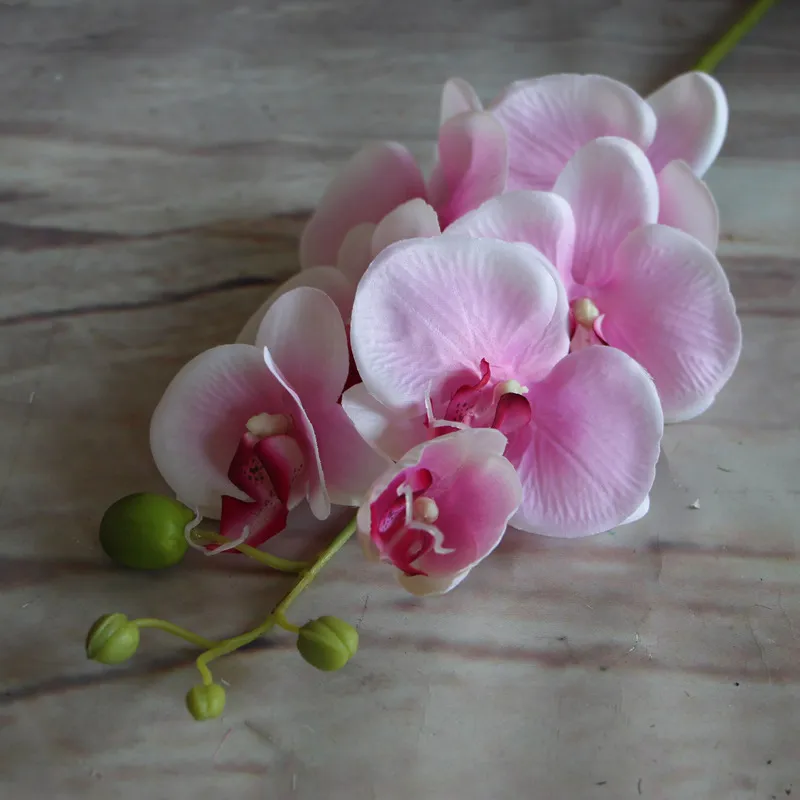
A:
x: 327, y: 643
x: 112, y: 639
x: 205, y: 701
x: 145, y: 531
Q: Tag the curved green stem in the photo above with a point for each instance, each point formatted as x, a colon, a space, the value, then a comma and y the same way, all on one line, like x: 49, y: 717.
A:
x: 712, y: 58
x: 278, y: 615
x: 282, y: 622
x: 275, y: 562
x: 175, y: 630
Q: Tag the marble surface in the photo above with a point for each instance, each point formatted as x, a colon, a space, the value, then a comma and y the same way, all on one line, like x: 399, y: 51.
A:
x: 157, y: 160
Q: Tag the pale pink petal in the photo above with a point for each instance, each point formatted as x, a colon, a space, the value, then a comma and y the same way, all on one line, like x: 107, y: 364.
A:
x: 692, y: 113
x: 458, y: 97
x: 377, y: 179
x: 587, y: 460
x: 389, y: 432
x: 413, y: 220
x: 472, y: 166
x: 672, y: 310
x: 355, y: 253
x: 431, y: 585
x: 429, y: 310
x: 305, y: 334
x: 541, y: 219
x: 349, y: 464
x: 201, y: 418
x: 612, y: 190
x: 547, y: 120
x: 639, y: 513
x: 316, y: 491
x: 686, y: 203
x: 326, y: 279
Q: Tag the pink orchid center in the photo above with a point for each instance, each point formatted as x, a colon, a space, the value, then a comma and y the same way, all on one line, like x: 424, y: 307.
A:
x: 266, y: 464
x: 587, y: 320
x: 403, y: 521
x: 484, y: 405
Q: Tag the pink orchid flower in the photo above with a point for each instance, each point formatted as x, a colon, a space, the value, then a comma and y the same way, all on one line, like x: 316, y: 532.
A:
x: 547, y: 120
x: 347, y: 230
x: 650, y: 290
x: 244, y: 432
x: 451, y: 333
x: 441, y: 509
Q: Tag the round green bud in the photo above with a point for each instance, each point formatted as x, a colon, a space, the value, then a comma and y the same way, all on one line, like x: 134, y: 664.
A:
x: 205, y: 701
x: 112, y: 639
x: 145, y: 531
x: 327, y: 643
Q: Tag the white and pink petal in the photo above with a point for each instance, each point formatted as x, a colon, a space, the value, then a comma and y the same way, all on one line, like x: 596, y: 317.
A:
x: 541, y: 219
x: 306, y: 337
x: 612, y: 190
x: 472, y: 165
x: 587, y: 460
x: 327, y: 279
x: 673, y: 311
x: 355, y: 253
x: 692, y: 113
x: 458, y: 97
x: 547, y: 120
x: 686, y: 203
x: 412, y: 220
x: 389, y: 432
x: 375, y: 181
x: 350, y: 465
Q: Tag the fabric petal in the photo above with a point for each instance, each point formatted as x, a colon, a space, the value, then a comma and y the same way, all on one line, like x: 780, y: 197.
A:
x: 686, y: 203
x: 673, y: 311
x: 474, y: 510
x: 541, y: 219
x: 326, y: 279
x: 305, y: 334
x: 458, y: 97
x: 431, y: 585
x: 349, y: 464
x: 316, y: 491
x: 388, y: 432
x: 428, y: 311
x: 379, y: 178
x: 547, y: 120
x: 200, y: 419
x: 639, y: 513
x: 587, y: 460
x: 355, y: 253
x: 692, y: 113
x: 475, y: 491
x: 612, y: 190
x: 412, y: 220
x: 472, y: 166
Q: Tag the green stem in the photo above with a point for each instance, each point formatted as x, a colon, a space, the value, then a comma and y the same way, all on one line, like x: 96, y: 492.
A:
x: 175, y: 630
x: 275, y: 562
x: 710, y: 61
x: 278, y: 614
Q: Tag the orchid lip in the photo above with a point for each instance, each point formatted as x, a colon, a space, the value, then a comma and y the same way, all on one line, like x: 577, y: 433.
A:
x: 470, y: 407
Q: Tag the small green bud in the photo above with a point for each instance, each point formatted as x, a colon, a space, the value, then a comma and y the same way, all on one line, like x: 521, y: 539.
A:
x: 205, y: 701
x: 145, y: 531
x: 327, y: 643
x: 112, y: 639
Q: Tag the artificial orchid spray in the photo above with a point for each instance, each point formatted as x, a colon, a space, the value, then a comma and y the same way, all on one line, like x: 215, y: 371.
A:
x: 498, y: 345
